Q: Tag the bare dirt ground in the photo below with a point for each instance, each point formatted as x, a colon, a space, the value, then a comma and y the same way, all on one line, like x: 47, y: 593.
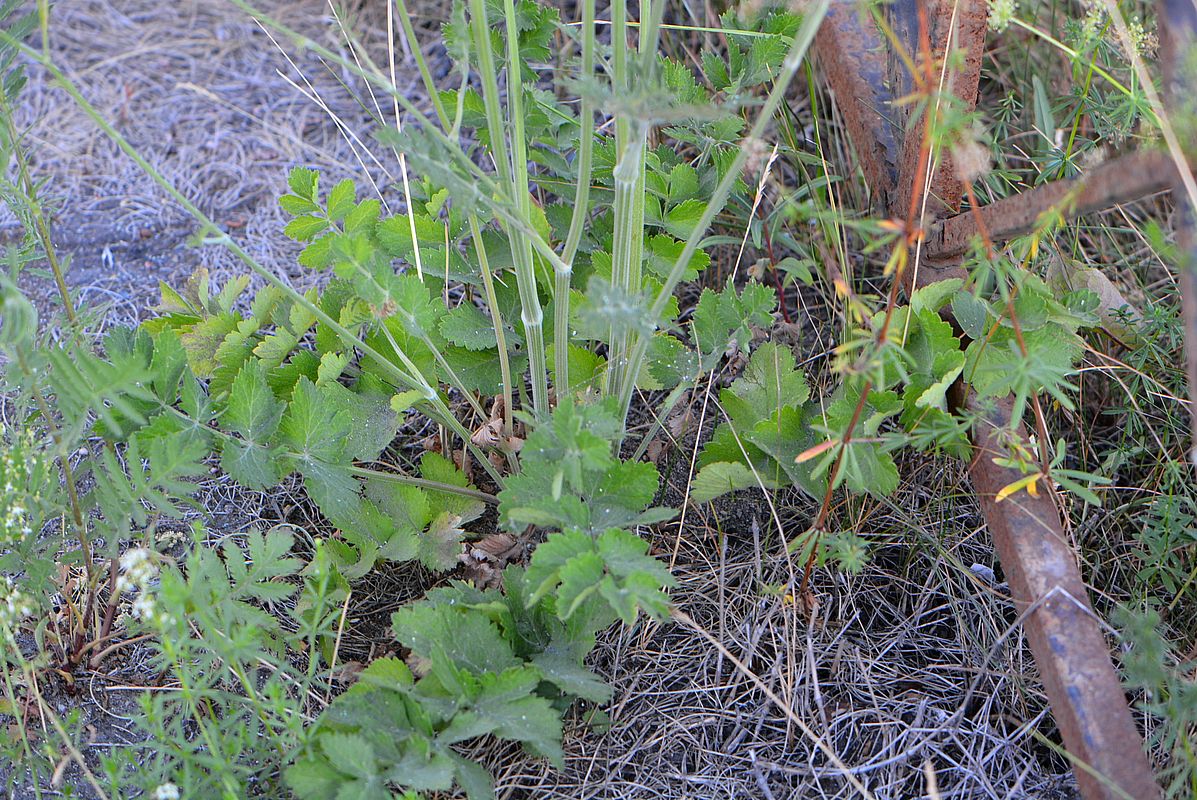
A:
x: 909, y: 670
x: 207, y: 97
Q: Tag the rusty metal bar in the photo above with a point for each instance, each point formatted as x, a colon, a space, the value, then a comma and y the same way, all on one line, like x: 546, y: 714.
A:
x: 953, y: 25
x: 1087, y: 699
x: 1082, y: 686
x: 851, y: 58
x: 1178, y: 21
x: 1121, y: 180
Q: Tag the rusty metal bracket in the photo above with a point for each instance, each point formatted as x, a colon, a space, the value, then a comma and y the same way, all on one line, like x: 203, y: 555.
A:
x: 849, y: 53
x: 1087, y: 700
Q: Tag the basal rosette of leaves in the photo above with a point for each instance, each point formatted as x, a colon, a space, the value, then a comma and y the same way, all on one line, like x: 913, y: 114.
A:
x: 319, y: 383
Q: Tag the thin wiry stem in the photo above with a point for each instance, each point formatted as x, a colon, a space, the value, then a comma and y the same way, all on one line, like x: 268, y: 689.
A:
x: 35, y: 209
x: 492, y: 301
x: 411, y: 215
x: 413, y: 44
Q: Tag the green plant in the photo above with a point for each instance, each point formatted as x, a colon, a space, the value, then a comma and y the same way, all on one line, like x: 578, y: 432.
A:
x: 1153, y: 666
x: 1020, y: 335
x: 320, y: 383
x: 227, y: 629
x: 526, y: 310
x: 900, y: 364
x: 507, y: 663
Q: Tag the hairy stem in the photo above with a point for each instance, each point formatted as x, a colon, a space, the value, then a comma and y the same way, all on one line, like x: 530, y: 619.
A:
x: 509, y: 172
x: 521, y: 246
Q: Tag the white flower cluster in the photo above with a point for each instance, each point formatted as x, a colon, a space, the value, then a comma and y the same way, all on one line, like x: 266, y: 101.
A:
x: 1001, y: 12
x: 14, y: 476
x: 1141, y: 39
x: 167, y: 791
x: 15, y: 605
x: 1096, y: 23
x: 138, y: 571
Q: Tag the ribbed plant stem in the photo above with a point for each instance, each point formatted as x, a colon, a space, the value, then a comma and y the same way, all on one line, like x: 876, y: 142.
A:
x: 513, y: 171
x: 488, y: 282
x: 627, y: 246
x: 521, y: 245
x: 627, y: 242
x: 564, y: 276
x: 802, y: 41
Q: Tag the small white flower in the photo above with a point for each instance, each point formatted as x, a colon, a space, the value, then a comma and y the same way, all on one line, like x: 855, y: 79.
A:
x: 144, y: 607
x: 15, y: 605
x: 1001, y: 13
x: 167, y: 791
x: 137, y: 568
